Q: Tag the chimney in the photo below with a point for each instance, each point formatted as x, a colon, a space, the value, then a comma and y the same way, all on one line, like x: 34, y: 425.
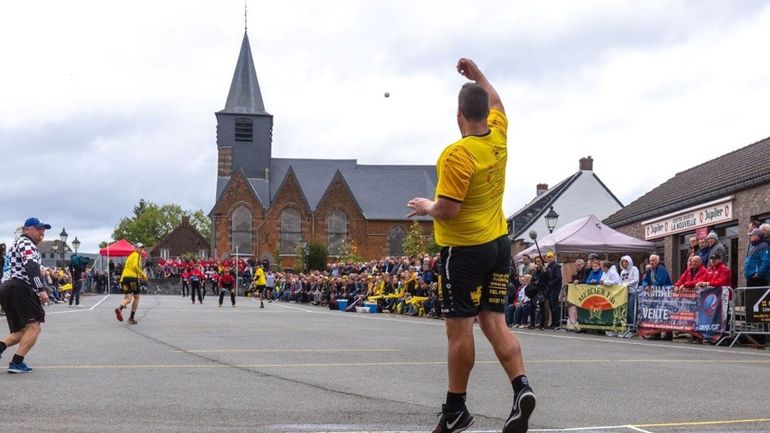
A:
x: 541, y: 188
x: 587, y: 163
x: 186, y: 220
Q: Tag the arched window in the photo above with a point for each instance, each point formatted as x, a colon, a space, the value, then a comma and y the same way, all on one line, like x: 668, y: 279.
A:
x: 290, y: 230
x: 395, y: 241
x: 337, y: 231
x: 241, y: 230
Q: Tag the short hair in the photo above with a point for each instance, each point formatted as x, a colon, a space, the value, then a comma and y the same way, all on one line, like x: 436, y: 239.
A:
x: 655, y: 256
x: 473, y: 102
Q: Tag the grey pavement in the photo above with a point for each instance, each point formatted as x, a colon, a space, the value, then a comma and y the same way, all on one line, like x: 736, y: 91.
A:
x: 298, y: 368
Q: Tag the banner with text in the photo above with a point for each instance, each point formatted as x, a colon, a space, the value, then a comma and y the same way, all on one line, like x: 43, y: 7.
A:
x: 757, y: 304
x: 701, y: 311
x: 599, y: 306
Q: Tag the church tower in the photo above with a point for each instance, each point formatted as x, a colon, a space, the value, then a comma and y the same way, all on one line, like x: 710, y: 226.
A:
x: 244, y: 128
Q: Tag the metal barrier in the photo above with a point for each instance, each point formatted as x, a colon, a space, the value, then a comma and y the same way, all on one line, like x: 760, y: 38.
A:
x: 749, y: 314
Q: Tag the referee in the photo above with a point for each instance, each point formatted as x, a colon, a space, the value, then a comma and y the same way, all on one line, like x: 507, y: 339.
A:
x: 469, y: 224
x: 23, y: 295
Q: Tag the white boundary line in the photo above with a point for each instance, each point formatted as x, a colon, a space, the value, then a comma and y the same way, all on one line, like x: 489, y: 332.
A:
x: 79, y: 311
x: 637, y: 429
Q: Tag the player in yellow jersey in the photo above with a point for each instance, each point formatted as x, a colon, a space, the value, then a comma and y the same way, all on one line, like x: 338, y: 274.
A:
x: 129, y: 281
x: 469, y: 224
x: 259, y: 284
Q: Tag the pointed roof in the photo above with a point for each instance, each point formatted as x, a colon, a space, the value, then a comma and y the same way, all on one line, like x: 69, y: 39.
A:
x: 244, y: 96
x: 523, y: 218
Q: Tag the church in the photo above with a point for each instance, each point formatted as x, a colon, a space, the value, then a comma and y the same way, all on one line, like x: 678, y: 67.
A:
x: 265, y: 207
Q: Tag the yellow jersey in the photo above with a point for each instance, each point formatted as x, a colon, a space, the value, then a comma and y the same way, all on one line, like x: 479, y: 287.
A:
x: 259, y: 276
x: 471, y: 171
x: 133, y: 267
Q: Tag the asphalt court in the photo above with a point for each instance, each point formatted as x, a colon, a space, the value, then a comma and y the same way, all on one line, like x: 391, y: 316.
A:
x: 296, y: 368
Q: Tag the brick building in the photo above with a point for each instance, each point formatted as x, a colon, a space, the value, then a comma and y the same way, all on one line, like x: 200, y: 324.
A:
x: 723, y: 195
x: 183, y: 239
x: 266, y: 206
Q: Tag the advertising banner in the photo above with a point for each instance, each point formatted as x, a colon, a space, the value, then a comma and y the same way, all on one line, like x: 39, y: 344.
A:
x: 757, y: 304
x: 599, y: 306
x: 700, y: 311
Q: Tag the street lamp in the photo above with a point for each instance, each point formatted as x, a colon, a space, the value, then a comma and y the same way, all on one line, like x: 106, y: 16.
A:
x: 63, y: 246
x: 550, y: 219
x: 76, y: 244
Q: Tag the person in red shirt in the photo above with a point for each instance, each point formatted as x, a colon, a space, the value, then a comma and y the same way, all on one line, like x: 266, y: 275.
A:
x: 196, y: 280
x: 185, y: 277
x: 226, y: 283
x: 694, y: 274
x: 717, y: 273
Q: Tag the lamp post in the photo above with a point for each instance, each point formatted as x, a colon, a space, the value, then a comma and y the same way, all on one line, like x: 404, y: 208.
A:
x: 550, y: 219
x: 76, y: 244
x: 63, y: 247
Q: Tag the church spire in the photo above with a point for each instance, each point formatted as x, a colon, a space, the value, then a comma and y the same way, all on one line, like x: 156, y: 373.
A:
x: 244, y: 96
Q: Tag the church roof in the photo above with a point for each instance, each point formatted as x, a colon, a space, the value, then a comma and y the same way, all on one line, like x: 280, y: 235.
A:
x: 244, y: 96
x: 380, y: 190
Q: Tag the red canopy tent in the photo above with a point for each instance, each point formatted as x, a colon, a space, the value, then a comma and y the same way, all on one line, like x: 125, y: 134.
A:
x: 121, y: 248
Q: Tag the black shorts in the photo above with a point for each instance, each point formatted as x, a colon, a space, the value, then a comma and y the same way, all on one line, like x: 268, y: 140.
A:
x: 474, y: 278
x: 21, y: 304
x: 130, y: 285
x: 259, y: 289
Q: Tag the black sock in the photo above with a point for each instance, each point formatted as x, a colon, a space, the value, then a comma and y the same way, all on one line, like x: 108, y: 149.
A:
x: 122, y: 307
x: 455, y: 402
x: 17, y: 359
x: 519, y: 383
x: 3, y: 346
x: 132, y: 314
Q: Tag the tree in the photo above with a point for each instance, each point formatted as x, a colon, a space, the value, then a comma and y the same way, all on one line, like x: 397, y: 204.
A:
x: 150, y: 222
x: 414, y: 242
x: 318, y: 256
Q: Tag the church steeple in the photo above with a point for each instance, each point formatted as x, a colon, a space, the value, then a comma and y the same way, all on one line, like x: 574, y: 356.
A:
x: 245, y: 96
x: 244, y: 128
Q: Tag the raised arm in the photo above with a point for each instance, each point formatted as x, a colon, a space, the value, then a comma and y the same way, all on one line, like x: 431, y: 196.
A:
x: 469, y: 70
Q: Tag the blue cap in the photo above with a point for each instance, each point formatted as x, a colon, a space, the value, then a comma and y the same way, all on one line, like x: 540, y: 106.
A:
x: 34, y: 222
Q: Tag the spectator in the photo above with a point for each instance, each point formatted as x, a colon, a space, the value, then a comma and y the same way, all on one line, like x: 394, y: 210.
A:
x: 694, y: 274
x: 610, y: 275
x: 629, y: 276
x: 704, y: 251
x: 657, y: 275
x: 765, y: 231
x: 717, y: 273
x: 756, y: 266
x: 715, y: 247
x: 525, y: 267
x: 596, y: 274
x: 694, y: 247
x: 521, y: 303
x: 553, y: 269
x: 536, y: 294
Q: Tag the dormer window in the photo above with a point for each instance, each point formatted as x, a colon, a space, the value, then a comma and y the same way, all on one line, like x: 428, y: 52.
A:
x: 244, y: 129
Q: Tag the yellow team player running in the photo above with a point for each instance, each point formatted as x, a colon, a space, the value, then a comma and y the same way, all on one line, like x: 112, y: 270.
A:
x: 259, y: 284
x: 469, y: 224
x: 129, y: 282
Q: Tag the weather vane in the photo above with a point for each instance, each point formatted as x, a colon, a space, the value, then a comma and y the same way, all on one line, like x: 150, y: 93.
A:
x: 245, y: 16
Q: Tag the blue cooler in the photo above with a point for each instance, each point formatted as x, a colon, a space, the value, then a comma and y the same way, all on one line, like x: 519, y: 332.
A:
x: 342, y: 304
x: 372, y: 306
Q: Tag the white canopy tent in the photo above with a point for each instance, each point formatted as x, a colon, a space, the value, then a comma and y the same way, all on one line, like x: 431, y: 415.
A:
x: 588, y: 235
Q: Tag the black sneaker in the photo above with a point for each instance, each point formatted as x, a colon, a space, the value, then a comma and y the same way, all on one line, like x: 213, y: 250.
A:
x: 450, y: 422
x: 523, y: 406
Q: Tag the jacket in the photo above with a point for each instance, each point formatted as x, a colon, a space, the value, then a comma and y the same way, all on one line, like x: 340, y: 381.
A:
x: 594, y: 277
x: 630, y: 275
x: 689, y: 280
x: 757, y: 261
x: 554, y: 277
x: 718, y: 276
x: 611, y: 277
x: 661, y: 277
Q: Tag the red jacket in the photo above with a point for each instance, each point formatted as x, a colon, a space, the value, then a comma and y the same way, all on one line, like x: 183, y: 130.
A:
x: 226, y: 280
x: 689, y: 281
x: 719, y: 276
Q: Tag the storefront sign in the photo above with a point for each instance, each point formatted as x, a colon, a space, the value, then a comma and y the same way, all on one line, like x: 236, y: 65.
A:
x: 690, y: 220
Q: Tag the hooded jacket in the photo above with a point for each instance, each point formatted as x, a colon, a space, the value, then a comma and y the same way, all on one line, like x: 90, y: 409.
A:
x: 689, y: 278
x: 630, y: 275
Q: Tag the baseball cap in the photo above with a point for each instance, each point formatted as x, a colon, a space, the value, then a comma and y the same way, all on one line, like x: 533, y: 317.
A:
x: 139, y: 245
x: 755, y: 232
x: 34, y: 222
x: 715, y: 256
x: 593, y: 256
x: 550, y: 254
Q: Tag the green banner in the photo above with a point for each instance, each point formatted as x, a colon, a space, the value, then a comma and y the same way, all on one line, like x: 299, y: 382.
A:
x: 599, y: 306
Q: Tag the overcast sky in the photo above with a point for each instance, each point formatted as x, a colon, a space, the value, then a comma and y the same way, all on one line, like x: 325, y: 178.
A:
x: 103, y: 103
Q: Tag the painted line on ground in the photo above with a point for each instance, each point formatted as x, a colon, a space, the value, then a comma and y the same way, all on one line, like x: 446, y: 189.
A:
x: 285, y: 350
x: 703, y: 423
x: 637, y: 429
x: 79, y: 310
x: 282, y: 304
x: 362, y: 364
